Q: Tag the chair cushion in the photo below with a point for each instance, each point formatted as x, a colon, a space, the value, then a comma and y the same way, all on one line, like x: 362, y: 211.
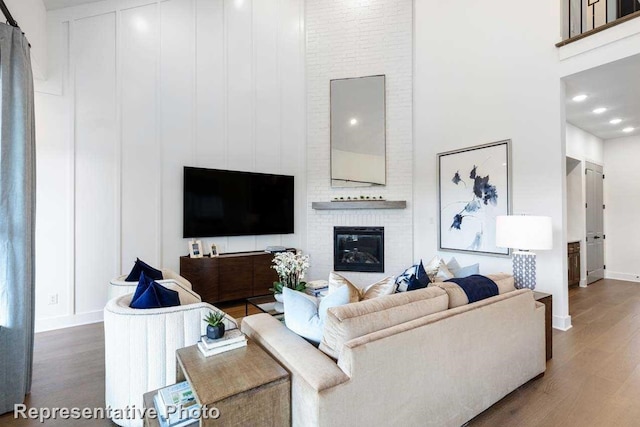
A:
x: 305, y: 315
x: 142, y: 267
x: 386, y: 286
x: 150, y: 294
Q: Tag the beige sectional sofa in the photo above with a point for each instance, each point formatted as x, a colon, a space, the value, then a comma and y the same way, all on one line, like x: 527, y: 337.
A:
x: 409, y: 359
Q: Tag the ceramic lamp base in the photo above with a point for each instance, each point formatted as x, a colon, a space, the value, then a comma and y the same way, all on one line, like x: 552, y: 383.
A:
x: 524, y: 269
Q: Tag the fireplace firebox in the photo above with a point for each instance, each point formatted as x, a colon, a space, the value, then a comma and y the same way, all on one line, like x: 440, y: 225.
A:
x: 358, y: 249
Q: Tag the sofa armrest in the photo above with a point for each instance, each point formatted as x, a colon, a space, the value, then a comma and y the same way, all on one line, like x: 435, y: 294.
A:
x: 298, y: 356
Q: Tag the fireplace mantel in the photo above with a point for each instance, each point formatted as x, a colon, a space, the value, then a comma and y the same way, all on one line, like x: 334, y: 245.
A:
x: 360, y: 204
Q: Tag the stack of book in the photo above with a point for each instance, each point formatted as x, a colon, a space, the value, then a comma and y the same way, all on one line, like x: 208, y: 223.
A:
x: 317, y: 288
x: 176, y: 406
x: 231, y: 340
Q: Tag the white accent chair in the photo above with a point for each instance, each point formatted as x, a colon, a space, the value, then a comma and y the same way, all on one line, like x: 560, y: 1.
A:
x: 119, y: 287
x: 140, y: 345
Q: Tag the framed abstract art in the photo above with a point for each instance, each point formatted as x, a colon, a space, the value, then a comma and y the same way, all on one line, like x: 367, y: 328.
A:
x: 474, y: 187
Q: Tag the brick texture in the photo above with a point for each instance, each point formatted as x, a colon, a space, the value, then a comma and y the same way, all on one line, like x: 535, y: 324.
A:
x: 351, y: 39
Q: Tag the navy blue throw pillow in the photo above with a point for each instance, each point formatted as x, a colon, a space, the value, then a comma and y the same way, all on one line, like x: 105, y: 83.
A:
x: 415, y: 283
x: 141, y: 266
x: 150, y: 294
x: 414, y: 277
x: 421, y: 275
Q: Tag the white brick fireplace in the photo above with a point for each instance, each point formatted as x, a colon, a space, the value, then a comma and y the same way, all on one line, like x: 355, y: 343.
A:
x: 353, y: 39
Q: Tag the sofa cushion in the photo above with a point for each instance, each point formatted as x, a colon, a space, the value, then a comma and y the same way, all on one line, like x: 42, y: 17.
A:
x: 150, y: 294
x: 354, y: 320
x: 142, y: 267
x: 439, y: 269
x: 458, y: 271
x: 305, y: 315
x: 414, y: 277
x: 386, y: 286
x: 467, y: 271
x: 458, y: 297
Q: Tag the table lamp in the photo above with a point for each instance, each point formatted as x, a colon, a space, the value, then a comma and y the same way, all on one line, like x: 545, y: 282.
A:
x: 524, y: 233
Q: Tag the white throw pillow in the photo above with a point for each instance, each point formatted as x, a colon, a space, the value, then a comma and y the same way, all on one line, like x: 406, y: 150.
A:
x: 305, y: 315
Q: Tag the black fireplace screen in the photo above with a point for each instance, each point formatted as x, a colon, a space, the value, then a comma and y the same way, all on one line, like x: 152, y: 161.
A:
x: 358, y: 249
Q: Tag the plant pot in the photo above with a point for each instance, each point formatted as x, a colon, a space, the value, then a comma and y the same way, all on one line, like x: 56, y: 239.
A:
x: 278, y: 297
x: 215, y: 332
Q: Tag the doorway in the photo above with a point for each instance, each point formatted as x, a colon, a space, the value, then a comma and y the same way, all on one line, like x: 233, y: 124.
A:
x: 594, y: 187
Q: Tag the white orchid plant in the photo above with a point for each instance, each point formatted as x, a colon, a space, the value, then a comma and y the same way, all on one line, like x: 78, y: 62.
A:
x: 290, y: 268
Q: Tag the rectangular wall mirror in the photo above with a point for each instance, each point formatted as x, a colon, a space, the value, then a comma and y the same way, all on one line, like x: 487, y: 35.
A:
x: 358, y: 132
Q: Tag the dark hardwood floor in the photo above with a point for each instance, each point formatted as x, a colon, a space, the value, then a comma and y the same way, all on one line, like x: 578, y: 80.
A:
x: 592, y: 380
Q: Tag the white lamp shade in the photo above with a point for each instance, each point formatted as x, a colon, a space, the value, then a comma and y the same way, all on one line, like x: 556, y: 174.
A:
x: 524, y: 232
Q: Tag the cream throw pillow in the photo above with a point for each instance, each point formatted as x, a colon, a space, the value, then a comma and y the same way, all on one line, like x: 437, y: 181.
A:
x: 386, y: 286
x: 438, y: 265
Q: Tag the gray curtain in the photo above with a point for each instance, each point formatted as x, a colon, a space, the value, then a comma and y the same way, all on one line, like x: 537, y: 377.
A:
x: 17, y: 217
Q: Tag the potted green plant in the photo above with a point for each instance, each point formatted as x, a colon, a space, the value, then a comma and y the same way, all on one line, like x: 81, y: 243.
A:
x: 215, y: 325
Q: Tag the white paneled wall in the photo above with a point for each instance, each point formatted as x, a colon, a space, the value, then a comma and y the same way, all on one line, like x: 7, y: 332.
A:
x: 95, y: 158
x: 137, y: 90
x: 352, y: 39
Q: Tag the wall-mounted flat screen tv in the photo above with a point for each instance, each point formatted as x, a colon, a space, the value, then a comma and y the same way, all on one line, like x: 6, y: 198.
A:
x: 232, y: 203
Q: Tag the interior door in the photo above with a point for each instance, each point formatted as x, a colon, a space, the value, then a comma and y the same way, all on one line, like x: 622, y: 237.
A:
x: 595, y: 222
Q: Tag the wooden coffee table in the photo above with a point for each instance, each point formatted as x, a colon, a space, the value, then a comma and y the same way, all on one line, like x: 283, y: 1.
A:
x: 246, y: 385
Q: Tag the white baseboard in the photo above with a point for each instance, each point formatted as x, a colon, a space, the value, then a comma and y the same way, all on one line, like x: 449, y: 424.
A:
x: 562, y: 323
x: 583, y: 283
x: 60, y: 322
x: 629, y: 277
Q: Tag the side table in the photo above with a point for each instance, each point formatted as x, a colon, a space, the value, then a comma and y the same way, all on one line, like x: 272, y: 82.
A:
x: 547, y: 300
x: 246, y: 385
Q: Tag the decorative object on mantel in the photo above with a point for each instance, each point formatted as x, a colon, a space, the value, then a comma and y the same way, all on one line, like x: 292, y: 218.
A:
x: 474, y: 187
x: 360, y: 204
x: 356, y: 198
x: 525, y: 233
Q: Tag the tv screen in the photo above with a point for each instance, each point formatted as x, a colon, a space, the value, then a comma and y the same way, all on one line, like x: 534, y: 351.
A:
x: 231, y: 203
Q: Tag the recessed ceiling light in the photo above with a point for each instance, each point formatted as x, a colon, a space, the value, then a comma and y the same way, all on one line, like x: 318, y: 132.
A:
x: 615, y: 121
x: 600, y: 110
x: 629, y: 129
x: 580, y: 98
x: 353, y: 121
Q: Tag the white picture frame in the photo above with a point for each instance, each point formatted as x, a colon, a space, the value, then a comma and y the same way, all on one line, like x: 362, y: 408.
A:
x: 195, y: 249
x: 214, y: 250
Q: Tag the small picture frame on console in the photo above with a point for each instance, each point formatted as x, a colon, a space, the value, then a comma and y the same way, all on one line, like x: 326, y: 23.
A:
x: 214, y: 250
x: 195, y: 249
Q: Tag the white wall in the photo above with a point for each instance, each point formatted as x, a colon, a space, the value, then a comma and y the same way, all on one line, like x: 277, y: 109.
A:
x: 615, y: 43
x: 137, y: 90
x: 622, y: 176
x: 353, y: 39
x: 32, y: 18
x: 583, y: 147
x: 575, y: 201
x: 489, y: 74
